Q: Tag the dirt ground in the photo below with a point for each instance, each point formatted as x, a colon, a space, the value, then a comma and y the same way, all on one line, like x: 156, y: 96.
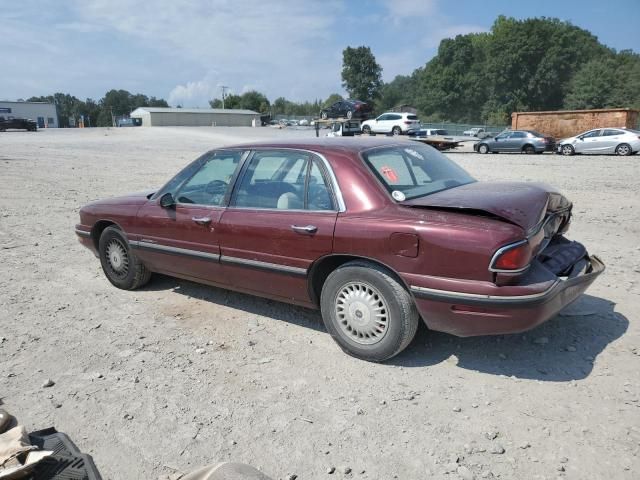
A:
x: 271, y: 388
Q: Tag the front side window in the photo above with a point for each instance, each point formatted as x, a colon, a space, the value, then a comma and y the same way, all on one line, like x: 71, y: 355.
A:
x: 205, y: 181
x: 414, y: 171
x: 283, y: 180
x: 503, y: 136
x: 591, y: 134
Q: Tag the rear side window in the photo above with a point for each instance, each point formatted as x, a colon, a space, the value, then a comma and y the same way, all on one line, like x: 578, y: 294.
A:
x: 283, y: 180
x: 518, y: 135
x: 394, y: 117
x: 412, y: 117
x: 611, y: 133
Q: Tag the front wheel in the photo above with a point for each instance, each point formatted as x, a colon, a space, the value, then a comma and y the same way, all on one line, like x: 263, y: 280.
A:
x: 366, y: 129
x: 624, y: 149
x: 324, y: 115
x: 119, y: 263
x: 367, y: 311
x: 567, y: 150
x: 395, y: 131
x: 349, y: 114
x: 484, y: 148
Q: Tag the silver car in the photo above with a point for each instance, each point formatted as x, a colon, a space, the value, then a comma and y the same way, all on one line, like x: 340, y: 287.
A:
x: 621, y: 141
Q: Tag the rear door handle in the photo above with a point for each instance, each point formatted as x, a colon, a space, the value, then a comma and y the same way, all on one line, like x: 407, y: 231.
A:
x: 202, y: 220
x: 308, y: 229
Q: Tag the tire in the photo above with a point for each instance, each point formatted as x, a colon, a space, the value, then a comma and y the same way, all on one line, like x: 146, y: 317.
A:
x: 529, y: 149
x: 395, y: 131
x: 567, y: 150
x: 483, y: 148
x: 624, y: 149
x: 349, y: 114
x: 323, y: 115
x: 366, y: 129
x: 120, y: 265
x: 350, y: 294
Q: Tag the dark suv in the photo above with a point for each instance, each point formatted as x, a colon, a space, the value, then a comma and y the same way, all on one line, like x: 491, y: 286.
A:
x: 525, y: 141
x: 17, y: 124
x: 347, y: 109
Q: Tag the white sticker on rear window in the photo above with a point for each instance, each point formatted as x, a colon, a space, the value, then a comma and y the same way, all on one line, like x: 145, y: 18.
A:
x: 413, y: 153
x: 398, y: 195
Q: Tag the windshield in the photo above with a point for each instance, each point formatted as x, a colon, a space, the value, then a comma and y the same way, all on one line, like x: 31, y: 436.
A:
x: 414, y: 171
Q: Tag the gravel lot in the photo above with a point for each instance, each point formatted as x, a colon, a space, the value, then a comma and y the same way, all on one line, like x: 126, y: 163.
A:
x: 271, y: 388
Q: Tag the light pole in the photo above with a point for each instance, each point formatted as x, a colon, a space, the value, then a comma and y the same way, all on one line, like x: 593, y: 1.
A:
x: 224, y: 89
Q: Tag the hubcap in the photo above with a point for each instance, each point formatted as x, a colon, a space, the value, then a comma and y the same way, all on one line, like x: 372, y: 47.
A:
x: 117, y: 258
x: 566, y: 150
x: 362, y: 313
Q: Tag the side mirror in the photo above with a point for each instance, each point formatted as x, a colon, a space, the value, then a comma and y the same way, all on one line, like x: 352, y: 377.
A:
x: 167, y: 201
x: 581, y: 138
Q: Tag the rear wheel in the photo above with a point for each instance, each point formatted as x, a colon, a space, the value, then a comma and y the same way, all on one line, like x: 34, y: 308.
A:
x: 483, y: 148
x: 395, y: 131
x: 528, y: 149
x: 624, y: 149
x: 567, y: 150
x: 367, y: 311
x: 119, y: 263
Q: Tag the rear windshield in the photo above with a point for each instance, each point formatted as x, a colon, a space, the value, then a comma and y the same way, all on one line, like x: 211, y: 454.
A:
x: 414, y: 171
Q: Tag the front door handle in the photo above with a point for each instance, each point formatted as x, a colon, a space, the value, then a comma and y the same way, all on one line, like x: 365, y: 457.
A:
x: 202, y: 220
x: 308, y: 229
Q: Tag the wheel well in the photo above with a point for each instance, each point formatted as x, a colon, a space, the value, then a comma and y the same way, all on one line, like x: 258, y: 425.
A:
x: 97, y: 230
x: 321, y: 269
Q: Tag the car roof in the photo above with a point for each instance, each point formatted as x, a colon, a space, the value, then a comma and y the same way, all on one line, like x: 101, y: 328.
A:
x: 327, y: 144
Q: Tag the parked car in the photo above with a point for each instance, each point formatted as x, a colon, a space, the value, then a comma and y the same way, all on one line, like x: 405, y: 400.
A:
x: 346, y: 109
x: 525, y: 141
x: 620, y: 141
x: 373, y: 232
x: 393, y: 123
x: 129, y: 122
x: 474, y: 132
x: 304, y: 122
x: 428, y: 132
x: 17, y: 124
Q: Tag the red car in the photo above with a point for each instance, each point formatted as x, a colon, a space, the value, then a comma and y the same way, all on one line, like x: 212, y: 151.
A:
x: 375, y: 232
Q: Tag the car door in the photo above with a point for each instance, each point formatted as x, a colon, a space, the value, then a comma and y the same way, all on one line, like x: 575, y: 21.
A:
x: 379, y: 123
x: 609, y: 140
x: 589, y: 142
x: 280, y: 220
x: 501, y: 142
x: 182, y: 238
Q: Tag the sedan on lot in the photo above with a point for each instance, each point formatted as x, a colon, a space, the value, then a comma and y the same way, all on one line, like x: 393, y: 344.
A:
x: 376, y: 233
x: 524, y: 141
x: 394, y: 123
x: 605, y: 141
x: 346, y: 109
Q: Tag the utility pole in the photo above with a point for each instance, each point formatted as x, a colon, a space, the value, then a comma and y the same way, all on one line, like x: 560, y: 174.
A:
x: 224, y: 90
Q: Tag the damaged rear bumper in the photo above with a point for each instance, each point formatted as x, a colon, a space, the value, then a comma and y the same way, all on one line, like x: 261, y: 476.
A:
x: 505, y: 309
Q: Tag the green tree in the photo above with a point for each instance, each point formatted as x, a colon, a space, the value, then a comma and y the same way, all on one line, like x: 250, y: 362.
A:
x: 361, y: 74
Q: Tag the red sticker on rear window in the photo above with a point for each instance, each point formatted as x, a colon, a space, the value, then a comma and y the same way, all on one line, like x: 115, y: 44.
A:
x: 390, y: 173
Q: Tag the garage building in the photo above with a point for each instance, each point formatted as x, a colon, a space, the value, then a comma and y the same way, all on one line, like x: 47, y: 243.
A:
x: 44, y: 114
x: 195, y: 117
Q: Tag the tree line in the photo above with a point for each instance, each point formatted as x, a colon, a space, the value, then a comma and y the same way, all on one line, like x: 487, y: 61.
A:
x: 534, y: 64
x: 98, y: 113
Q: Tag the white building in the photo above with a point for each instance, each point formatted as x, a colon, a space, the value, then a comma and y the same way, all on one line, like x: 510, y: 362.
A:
x: 196, y: 117
x: 44, y: 114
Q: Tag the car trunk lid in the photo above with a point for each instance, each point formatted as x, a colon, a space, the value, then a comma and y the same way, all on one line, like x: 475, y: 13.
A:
x: 527, y: 205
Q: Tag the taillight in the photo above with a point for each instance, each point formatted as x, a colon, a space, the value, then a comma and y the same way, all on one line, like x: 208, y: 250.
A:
x: 511, y: 258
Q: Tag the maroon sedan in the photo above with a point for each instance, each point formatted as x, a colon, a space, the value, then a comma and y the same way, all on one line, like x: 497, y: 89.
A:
x: 375, y: 232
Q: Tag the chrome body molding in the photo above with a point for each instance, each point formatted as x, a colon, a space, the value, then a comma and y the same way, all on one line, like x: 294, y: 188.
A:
x: 263, y: 265
x: 478, y: 298
x: 174, y: 250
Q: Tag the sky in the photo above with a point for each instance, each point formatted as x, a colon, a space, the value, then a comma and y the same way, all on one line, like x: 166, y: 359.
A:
x: 185, y: 50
